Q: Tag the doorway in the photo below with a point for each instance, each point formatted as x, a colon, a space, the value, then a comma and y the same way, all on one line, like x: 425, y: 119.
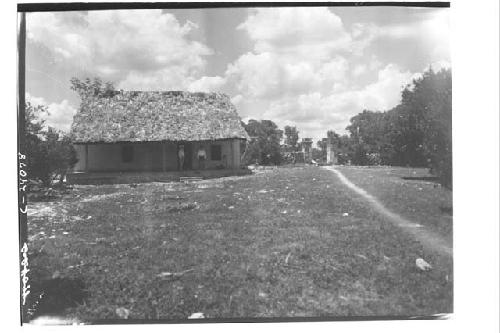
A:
x: 188, y: 155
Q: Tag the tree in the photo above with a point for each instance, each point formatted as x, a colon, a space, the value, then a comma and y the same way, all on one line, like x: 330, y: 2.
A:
x: 318, y: 155
x: 428, y: 100
x: 344, y: 150
x: 392, y: 137
x: 34, y: 132
x: 50, y: 152
x: 417, y: 132
x: 320, y: 152
x: 264, y: 145
x: 93, y: 87
x: 61, y: 155
x: 369, y: 136
x: 291, y: 137
x: 321, y: 144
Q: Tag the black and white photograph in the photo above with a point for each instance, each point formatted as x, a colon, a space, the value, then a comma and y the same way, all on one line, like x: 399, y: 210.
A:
x: 238, y: 163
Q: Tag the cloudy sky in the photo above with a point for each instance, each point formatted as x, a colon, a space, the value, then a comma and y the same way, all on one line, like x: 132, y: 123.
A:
x: 313, y: 68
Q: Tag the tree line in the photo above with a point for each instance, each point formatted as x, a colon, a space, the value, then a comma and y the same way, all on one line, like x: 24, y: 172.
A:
x: 417, y: 132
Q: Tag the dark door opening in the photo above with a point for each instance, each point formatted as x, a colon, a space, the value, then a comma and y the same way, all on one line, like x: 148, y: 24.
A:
x: 188, y: 155
x: 156, y: 151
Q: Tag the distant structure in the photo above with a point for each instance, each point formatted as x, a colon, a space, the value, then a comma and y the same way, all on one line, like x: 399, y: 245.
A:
x: 330, y: 153
x: 322, y: 146
x: 306, y: 145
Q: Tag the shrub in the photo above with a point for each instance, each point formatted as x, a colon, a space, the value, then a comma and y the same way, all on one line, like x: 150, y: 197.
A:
x: 50, y: 152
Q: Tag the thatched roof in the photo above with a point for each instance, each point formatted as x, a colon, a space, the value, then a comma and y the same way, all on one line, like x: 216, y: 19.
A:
x: 138, y: 116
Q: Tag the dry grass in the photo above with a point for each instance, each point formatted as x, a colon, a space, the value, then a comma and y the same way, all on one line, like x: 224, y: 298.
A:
x: 275, y: 244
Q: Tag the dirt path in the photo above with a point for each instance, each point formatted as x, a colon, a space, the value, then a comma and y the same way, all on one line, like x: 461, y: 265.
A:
x: 427, y: 238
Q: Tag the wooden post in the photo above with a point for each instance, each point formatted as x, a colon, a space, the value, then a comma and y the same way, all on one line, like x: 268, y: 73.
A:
x: 86, y: 157
x: 237, y: 154
x: 231, y: 142
x: 163, y: 162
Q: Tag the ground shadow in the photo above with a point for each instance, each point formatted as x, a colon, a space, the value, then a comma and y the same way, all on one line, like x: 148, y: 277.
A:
x: 53, y: 296
x: 427, y: 178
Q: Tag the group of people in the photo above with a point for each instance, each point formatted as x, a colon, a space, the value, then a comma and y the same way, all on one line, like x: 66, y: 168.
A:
x: 201, y: 155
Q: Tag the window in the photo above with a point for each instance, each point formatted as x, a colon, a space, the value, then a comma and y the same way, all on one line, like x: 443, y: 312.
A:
x: 215, y: 153
x: 127, y: 154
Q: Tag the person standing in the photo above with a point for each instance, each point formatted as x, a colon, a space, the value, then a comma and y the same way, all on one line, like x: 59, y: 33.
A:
x: 202, y: 156
x: 180, y: 154
x: 224, y: 161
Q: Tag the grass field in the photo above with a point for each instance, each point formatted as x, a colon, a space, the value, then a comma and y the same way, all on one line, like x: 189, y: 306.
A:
x: 274, y: 244
x: 425, y: 202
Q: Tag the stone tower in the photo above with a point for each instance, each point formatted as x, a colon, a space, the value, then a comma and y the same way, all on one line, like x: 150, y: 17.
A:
x: 306, y: 145
x: 330, y: 153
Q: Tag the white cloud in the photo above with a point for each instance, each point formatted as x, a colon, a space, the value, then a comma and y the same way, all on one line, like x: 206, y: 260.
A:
x: 282, y: 29
x: 171, y: 78
x: 60, y: 115
x: 307, y: 70
x: 359, y: 69
x: 385, y: 93
x: 256, y: 74
x: 438, y: 65
x: 296, y: 51
x: 236, y: 100
x: 133, y: 46
x: 207, y: 84
x: 432, y: 32
x: 313, y: 113
x: 269, y: 75
x: 437, y: 32
x: 35, y: 100
x: 300, y: 70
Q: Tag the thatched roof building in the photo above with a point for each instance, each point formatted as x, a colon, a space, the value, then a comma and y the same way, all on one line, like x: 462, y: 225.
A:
x: 151, y: 116
x: 171, y: 131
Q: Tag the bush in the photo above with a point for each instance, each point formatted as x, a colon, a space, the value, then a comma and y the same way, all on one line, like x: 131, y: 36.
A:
x: 50, y: 152
x: 264, y: 145
x: 374, y: 159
